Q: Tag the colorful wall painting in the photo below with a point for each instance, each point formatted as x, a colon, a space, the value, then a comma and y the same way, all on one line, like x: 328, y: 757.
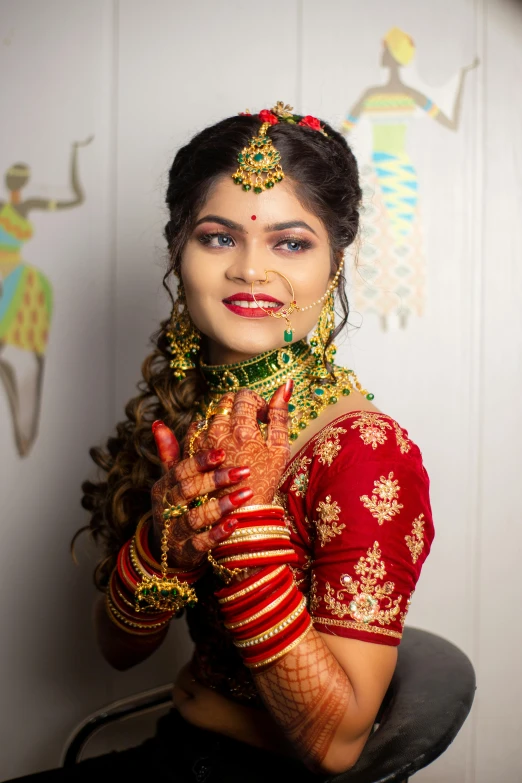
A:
x: 391, y: 280
x: 26, y: 301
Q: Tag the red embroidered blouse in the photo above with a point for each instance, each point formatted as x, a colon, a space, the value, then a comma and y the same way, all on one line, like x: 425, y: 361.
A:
x: 357, y: 502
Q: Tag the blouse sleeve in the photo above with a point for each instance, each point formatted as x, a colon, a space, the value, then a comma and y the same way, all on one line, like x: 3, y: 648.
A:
x: 373, y: 530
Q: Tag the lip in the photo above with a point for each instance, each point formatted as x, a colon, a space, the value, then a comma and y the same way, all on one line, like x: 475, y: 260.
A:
x: 250, y: 312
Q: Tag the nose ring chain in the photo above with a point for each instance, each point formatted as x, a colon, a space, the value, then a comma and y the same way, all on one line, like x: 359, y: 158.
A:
x: 285, y: 312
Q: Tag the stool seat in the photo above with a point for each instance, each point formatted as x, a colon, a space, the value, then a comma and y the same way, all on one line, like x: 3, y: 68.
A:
x: 428, y: 700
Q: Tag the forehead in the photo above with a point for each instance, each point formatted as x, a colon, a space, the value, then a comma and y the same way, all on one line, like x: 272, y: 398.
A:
x: 280, y: 204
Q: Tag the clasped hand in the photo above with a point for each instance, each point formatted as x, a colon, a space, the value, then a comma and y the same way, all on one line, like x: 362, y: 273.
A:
x: 231, y: 452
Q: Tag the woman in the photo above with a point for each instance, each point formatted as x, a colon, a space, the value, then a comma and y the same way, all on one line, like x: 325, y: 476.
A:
x: 293, y: 526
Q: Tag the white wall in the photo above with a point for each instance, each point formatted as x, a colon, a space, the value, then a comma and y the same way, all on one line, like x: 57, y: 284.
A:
x: 142, y: 79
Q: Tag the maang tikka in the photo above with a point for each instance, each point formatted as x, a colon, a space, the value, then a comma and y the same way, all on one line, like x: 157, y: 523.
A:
x: 183, y: 337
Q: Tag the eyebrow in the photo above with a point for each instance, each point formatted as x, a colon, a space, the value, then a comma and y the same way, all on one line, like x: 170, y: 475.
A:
x: 238, y: 227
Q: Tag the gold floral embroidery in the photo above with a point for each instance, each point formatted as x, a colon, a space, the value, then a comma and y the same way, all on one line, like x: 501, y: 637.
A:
x: 402, y: 442
x: 300, y: 482
x: 402, y: 616
x: 328, y: 527
x: 357, y: 626
x: 327, y: 445
x: 366, y: 605
x: 372, y: 428
x: 383, y: 503
x: 314, y: 599
x: 415, y: 542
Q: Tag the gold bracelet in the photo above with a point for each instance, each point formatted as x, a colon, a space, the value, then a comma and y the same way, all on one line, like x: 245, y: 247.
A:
x: 250, y: 555
x: 275, y: 629
x: 275, y: 529
x: 227, y: 574
x: 258, y: 507
x: 179, y: 572
x: 282, y: 537
x: 259, y: 614
x: 264, y: 579
x: 281, y: 652
x: 122, y: 619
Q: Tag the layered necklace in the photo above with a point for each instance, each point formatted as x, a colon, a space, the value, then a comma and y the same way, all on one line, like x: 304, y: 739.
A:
x: 314, y: 390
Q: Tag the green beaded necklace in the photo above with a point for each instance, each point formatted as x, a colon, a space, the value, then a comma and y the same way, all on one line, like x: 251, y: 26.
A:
x: 313, y: 392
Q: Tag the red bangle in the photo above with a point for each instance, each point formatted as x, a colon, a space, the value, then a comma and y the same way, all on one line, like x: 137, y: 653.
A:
x: 269, y: 620
x: 235, y: 592
x: 282, y: 642
x: 249, y: 604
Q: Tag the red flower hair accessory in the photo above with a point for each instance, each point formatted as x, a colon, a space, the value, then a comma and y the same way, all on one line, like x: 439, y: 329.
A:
x: 259, y: 162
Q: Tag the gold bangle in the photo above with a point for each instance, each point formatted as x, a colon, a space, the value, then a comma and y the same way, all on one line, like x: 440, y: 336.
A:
x: 245, y: 590
x: 275, y: 629
x: 273, y: 529
x: 257, y: 537
x: 257, y: 507
x: 131, y: 623
x: 256, y: 616
x: 250, y: 555
x: 281, y: 652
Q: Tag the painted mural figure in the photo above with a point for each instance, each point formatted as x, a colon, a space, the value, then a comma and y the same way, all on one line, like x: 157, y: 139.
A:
x: 26, y: 299
x: 393, y: 267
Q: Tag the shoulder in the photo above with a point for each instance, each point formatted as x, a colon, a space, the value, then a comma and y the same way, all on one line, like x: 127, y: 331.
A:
x: 359, y: 437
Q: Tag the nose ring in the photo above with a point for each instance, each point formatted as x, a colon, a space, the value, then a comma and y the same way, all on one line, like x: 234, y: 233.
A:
x: 284, y: 312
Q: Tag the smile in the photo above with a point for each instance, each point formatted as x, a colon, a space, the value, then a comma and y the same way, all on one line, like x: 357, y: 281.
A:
x: 243, y: 304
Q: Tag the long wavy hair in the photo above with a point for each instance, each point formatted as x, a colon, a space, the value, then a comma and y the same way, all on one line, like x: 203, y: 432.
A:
x: 324, y: 172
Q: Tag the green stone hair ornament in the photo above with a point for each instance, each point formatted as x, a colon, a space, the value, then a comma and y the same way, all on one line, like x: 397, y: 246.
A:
x: 260, y: 162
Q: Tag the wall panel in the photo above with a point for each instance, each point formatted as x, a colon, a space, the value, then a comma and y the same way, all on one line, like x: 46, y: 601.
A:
x: 55, y: 90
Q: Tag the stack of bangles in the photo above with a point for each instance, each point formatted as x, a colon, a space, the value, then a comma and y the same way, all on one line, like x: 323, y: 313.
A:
x: 142, y: 595
x: 265, y: 613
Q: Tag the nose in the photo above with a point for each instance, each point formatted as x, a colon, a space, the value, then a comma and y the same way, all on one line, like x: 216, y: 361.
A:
x: 248, y: 268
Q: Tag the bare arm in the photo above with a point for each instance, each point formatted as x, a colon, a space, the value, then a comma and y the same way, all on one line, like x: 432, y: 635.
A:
x: 448, y: 122
x: 325, y: 695
x: 49, y: 204
x: 119, y: 648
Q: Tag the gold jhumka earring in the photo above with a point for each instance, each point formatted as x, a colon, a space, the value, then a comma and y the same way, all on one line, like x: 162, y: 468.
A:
x: 184, y: 338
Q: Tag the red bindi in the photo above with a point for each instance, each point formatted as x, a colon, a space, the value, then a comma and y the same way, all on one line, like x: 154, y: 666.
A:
x: 254, y: 217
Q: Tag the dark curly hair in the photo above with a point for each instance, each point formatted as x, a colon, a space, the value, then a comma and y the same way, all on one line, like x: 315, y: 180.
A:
x: 325, y: 170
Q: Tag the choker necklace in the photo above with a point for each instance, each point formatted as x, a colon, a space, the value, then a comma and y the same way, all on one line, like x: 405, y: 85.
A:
x: 313, y: 389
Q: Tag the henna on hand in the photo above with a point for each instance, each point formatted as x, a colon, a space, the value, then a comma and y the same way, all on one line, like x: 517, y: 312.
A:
x: 184, y: 481
x: 240, y: 437
x: 308, y: 693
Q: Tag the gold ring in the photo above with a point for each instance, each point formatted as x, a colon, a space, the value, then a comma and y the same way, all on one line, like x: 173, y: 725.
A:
x: 175, y: 511
x: 222, y: 412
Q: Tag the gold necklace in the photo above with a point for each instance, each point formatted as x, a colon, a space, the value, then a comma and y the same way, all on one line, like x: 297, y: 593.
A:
x: 266, y: 372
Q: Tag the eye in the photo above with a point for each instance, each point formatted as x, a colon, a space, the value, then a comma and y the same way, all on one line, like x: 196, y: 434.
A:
x: 295, y: 245
x: 216, y: 239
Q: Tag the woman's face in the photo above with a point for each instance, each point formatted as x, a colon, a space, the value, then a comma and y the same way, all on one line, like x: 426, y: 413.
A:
x: 237, y: 237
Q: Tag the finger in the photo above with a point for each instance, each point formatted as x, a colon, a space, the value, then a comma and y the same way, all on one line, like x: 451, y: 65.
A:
x: 204, y: 542
x: 209, y: 513
x: 202, y: 461
x: 166, y: 444
x: 205, y: 483
x: 277, y: 433
x: 223, y: 408
x: 248, y: 408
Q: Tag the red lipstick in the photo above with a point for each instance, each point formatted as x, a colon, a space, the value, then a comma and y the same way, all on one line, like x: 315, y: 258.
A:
x: 250, y: 312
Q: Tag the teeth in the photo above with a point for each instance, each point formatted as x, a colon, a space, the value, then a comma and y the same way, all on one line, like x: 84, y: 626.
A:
x: 243, y: 303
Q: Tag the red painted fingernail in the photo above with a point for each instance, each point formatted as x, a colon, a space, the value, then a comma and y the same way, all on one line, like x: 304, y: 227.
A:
x: 220, y: 532
x: 240, y: 496
x: 230, y: 525
x: 156, y: 424
x: 289, y: 387
x: 236, y: 474
x: 215, y: 456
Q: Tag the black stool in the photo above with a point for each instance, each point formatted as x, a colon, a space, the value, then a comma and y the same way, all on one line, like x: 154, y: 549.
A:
x: 428, y: 700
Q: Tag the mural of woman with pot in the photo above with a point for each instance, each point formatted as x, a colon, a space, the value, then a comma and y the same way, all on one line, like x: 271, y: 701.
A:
x: 26, y: 300
x: 394, y: 271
